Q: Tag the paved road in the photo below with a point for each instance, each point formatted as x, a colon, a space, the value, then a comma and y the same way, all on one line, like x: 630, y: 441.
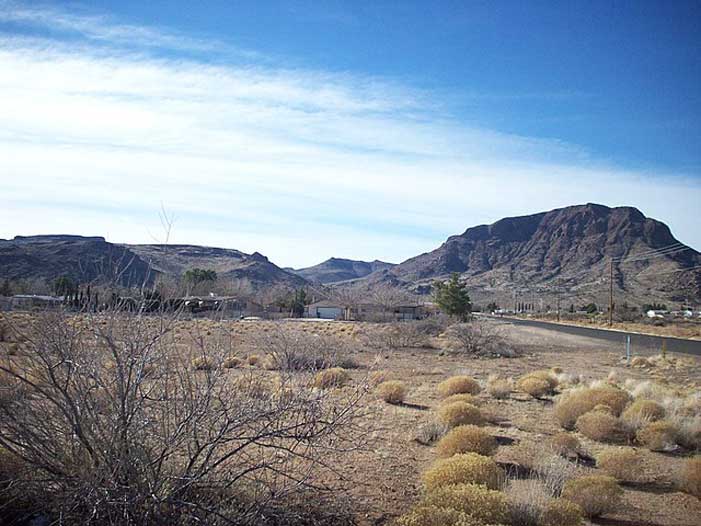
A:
x: 638, y: 341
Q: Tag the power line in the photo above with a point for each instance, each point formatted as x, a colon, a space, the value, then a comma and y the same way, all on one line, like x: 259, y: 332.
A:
x: 652, y: 251
x: 652, y: 256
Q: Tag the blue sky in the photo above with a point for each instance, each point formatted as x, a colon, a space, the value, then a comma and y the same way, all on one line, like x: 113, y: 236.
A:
x: 306, y: 130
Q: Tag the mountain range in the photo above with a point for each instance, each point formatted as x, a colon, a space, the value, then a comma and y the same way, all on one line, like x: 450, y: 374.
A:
x: 567, y: 254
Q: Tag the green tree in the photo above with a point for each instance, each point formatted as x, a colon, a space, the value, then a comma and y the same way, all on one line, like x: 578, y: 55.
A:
x: 6, y: 289
x: 452, y: 298
x: 299, y: 303
x: 492, y: 306
x: 195, y: 276
x: 64, y: 286
x: 591, y: 308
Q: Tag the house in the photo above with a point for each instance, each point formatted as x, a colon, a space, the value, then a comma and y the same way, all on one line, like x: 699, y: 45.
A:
x: 656, y: 313
x: 326, y: 310
x: 33, y: 301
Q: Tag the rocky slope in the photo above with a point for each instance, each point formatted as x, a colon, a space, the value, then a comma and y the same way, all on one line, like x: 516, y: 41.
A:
x: 336, y: 270
x: 563, y: 253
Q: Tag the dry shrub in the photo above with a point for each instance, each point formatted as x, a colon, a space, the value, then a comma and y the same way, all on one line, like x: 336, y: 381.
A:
x: 549, y: 468
x: 639, y: 361
x: 333, y: 377
x: 595, y: 494
x: 548, y: 376
x: 478, y: 338
x: 531, y: 504
x: 392, y: 392
x: 623, y: 464
x: 431, y: 431
x: 466, y: 439
x: 458, y: 384
x: 232, y: 362
x: 641, y: 412
x: 658, y: 436
x: 688, y: 432
x: 253, y: 360
x: 565, y: 445
x: 460, y: 413
x: 461, y: 397
x: 465, y: 468
x: 378, y: 377
x: 690, y: 477
x: 499, y: 388
x: 536, y: 387
x: 435, y: 516
x: 602, y: 427
x: 575, y: 403
x: 561, y: 512
x: 483, y: 504
x: 203, y: 363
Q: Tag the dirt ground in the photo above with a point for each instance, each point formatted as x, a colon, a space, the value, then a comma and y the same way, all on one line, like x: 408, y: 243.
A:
x: 384, y: 481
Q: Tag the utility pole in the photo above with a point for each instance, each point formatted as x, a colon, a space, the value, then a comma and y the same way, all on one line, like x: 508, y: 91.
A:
x: 610, y: 292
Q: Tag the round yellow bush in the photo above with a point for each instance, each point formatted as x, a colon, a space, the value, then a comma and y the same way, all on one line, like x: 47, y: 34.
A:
x: 458, y: 384
x: 253, y: 360
x: 392, y: 391
x: 461, y: 397
x: 536, y: 387
x: 690, y: 477
x: 202, y: 363
x: 548, y: 376
x: 561, y: 512
x: 565, y: 444
x: 499, y: 388
x: 641, y: 411
x: 435, y: 516
x: 333, y: 377
x: 232, y: 362
x: 623, y: 464
x: 483, y: 504
x: 575, y: 403
x: 658, y: 436
x: 602, y: 427
x: 464, y: 468
x: 466, y: 439
x: 596, y: 495
x: 460, y: 413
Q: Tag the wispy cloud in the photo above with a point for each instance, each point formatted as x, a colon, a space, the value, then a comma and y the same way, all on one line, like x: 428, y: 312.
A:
x: 297, y: 164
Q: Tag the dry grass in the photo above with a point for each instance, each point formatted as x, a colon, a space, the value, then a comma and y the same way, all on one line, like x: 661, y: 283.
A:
x: 378, y: 377
x: 483, y: 504
x: 658, y: 436
x: 435, y: 516
x: 575, y: 403
x: 458, y: 384
x: 642, y: 411
x: 602, y: 427
x: 461, y: 397
x: 466, y: 439
x: 460, y: 413
x: 329, y: 378
x: 548, y: 376
x: 596, y: 495
x: 531, y: 504
x: 536, y: 387
x: 465, y: 468
x: 232, y: 362
x: 499, y: 388
x: 253, y: 360
x: 623, y: 464
x: 202, y: 363
x: 690, y: 477
x: 565, y: 445
x: 431, y: 431
x: 392, y: 391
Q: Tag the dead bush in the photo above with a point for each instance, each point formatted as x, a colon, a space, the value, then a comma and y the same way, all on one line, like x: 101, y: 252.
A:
x: 483, y: 504
x: 461, y: 397
x: 547, y: 375
x: 203, y: 363
x: 532, y: 504
x: 253, y: 360
x: 478, y: 338
x: 535, y: 387
x: 329, y: 378
x: 392, y: 392
x: 566, y: 445
x: 464, y: 468
x: 466, y: 439
x: 431, y: 431
x: 458, y: 384
x: 602, y: 427
x: 232, y: 362
x: 658, y: 436
x: 117, y: 428
x: 550, y: 469
x: 561, y: 512
x: 624, y: 464
x: 596, y: 495
x: 460, y: 413
x: 641, y: 412
x: 688, y: 432
x: 377, y: 377
x: 690, y: 477
x: 499, y: 388
x: 435, y: 516
x: 575, y: 403
x: 404, y: 334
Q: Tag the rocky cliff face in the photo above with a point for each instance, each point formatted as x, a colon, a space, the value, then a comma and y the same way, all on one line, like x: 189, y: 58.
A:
x: 564, y: 251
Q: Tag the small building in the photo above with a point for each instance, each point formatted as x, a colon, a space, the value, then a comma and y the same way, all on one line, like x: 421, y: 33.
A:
x: 33, y: 301
x: 326, y: 310
x: 656, y: 313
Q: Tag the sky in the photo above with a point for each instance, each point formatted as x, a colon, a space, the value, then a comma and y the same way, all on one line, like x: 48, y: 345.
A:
x: 365, y: 130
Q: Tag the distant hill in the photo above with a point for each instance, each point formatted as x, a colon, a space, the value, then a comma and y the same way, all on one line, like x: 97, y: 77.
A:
x: 335, y: 270
x: 93, y: 259
x: 562, y: 253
